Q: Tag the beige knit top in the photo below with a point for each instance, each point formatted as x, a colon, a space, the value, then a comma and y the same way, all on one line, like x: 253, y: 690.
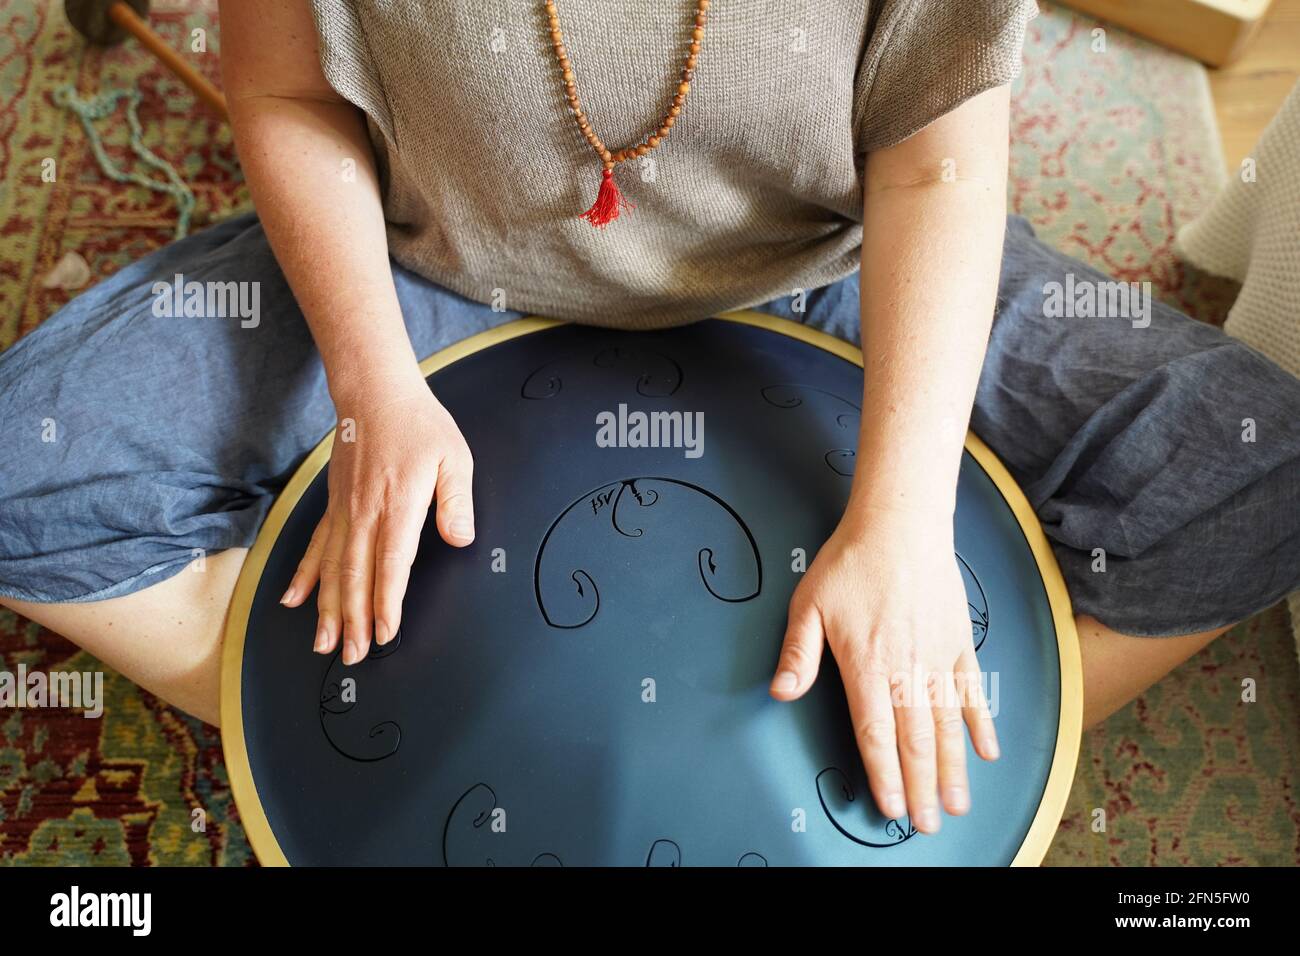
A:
x: 756, y: 193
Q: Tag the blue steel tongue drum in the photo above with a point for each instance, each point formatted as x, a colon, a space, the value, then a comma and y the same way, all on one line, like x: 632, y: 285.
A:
x: 587, y: 683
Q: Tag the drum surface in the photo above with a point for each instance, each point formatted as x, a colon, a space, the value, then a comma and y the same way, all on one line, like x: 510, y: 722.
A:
x: 587, y: 684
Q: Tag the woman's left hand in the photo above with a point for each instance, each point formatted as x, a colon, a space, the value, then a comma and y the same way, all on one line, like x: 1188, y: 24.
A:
x: 886, y: 594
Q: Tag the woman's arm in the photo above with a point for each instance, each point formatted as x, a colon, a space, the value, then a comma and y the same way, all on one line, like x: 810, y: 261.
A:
x: 931, y: 257
x: 294, y: 134
x: 296, y: 139
x: 885, y: 591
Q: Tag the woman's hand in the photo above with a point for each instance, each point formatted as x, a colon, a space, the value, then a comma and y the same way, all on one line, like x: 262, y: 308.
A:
x: 886, y: 594
x: 395, y: 449
x: 330, y: 239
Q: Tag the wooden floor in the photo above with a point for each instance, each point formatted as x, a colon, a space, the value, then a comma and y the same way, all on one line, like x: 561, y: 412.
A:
x: 1248, y: 93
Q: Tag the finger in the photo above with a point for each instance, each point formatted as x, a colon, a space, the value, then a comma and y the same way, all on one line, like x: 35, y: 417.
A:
x: 329, y: 605
x: 801, y: 654
x: 455, y: 499
x: 395, y: 549
x: 950, y: 735
x: 876, y: 734
x: 975, y: 706
x: 308, y: 573
x: 916, y: 748
x: 357, y: 586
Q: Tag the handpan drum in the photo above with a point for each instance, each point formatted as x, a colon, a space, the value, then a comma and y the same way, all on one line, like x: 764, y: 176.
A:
x: 587, y: 684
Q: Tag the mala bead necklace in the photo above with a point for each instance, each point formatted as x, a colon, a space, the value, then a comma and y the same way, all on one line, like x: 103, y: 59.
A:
x: 609, y: 201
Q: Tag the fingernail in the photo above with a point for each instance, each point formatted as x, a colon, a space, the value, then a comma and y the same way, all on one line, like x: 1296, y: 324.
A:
x: 381, y: 633
x: 894, y: 806
x: 351, y: 653
x: 322, y: 640
x: 956, y: 800
x: 288, y: 595
x: 785, y: 682
x: 991, y: 748
x: 462, y: 526
x: 927, y: 820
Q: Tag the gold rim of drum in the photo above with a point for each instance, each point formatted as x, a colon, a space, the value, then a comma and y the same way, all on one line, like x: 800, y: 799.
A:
x: 1069, y: 729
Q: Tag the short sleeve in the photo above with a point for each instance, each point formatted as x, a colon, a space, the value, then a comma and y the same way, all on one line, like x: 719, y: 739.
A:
x: 924, y: 58
x: 346, y: 61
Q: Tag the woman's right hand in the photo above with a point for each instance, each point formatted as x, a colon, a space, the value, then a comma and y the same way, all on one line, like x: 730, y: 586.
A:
x: 395, y: 449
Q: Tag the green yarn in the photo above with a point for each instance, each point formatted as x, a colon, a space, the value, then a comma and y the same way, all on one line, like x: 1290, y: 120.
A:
x: 103, y: 106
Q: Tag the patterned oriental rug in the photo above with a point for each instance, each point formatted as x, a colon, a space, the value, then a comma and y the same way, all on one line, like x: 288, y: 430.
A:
x: 1113, y: 149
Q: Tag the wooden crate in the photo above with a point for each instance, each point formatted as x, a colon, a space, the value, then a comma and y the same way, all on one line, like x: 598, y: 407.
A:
x: 1213, y: 31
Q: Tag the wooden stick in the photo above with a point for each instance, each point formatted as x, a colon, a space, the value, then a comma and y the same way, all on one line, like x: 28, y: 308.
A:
x: 128, y: 20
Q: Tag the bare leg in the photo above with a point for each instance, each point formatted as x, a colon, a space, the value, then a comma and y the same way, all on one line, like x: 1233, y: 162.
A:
x: 1117, y: 667
x: 166, y: 638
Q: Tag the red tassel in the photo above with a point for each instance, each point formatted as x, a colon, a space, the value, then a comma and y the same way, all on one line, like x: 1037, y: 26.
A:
x: 608, y: 203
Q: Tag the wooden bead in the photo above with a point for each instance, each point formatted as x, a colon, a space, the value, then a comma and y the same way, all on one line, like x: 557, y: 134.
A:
x: 608, y: 158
